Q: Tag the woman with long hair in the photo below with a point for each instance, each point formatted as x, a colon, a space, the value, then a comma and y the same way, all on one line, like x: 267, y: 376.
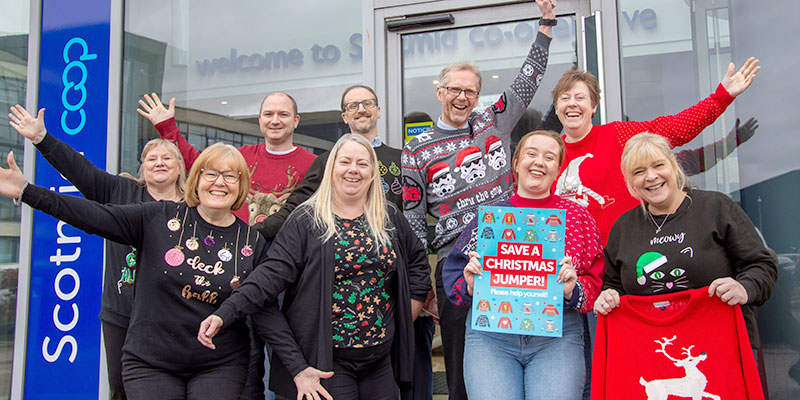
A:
x: 355, y: 277
x: 190, y: 258
x: 161, y: 176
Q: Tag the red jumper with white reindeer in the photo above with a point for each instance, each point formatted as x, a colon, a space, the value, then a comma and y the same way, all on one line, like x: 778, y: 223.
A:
x: 684, y: 345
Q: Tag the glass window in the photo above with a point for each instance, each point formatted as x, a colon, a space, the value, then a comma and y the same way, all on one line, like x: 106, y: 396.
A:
x: 674, y: 53
x: 498, y: 50
x: 13, y: 89
x: 219, y: 62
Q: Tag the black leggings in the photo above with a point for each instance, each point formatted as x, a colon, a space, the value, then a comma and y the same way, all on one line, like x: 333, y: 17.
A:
x: 113, y: 339
x: 145, y: 382
x: 362, y: 380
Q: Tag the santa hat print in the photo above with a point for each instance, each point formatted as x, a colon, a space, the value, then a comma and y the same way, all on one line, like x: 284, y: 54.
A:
x: 493, y: 143
x: 437, y: 170
x: 648, y: 262
x: 467, y: 156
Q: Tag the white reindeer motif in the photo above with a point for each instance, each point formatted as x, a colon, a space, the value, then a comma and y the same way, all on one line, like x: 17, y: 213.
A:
x: 692, y: 385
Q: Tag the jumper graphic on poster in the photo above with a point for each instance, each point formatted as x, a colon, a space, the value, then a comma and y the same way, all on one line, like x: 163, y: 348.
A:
x: 520, y: 250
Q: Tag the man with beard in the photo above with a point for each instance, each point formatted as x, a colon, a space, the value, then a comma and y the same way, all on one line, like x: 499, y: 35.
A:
x: 360, y: 111
x: 466, y: 141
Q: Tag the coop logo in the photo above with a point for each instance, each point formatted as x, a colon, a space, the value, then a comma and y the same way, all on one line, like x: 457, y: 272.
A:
x: 71, y: 101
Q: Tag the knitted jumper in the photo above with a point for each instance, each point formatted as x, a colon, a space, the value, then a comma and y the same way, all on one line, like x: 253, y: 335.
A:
x: 478, y: 156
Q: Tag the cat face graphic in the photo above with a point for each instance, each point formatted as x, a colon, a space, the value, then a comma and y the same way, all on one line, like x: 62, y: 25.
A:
x: 653, y: 269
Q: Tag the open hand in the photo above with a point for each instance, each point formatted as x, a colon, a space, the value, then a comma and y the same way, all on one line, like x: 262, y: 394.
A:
x: 11, y: 179
x: 308, y: 384
x: 152, y: 109
x: 208, y: 329
x: 32, y: 128
x: 547, y: 7
x: 737, y: 83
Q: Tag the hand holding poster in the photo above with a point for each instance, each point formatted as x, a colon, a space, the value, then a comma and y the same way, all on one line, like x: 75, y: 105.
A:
x: 518, y: 292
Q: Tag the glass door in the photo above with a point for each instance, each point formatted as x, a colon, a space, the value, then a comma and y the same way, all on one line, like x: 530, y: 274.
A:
x: 496, y: 38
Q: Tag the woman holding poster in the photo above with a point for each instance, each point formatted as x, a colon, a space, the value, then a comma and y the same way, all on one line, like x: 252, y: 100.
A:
x: 523, y: 366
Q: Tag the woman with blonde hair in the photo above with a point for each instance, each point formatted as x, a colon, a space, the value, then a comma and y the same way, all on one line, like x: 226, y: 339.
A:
x: 190, y: 257
x: 161, y: 176
x: 355, y: 277
x: 700, y: 238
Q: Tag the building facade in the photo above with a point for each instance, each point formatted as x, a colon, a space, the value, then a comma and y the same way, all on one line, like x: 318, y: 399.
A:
x: 219, y: 59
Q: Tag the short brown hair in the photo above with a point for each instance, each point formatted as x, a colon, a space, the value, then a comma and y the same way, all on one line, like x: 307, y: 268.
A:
x: 573, y: 76
x: 219, y: 152
x: 291, y: 99
x: 562, y: 148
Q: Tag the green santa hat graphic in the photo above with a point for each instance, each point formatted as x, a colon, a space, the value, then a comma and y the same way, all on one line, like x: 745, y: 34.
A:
x: 648, y: 262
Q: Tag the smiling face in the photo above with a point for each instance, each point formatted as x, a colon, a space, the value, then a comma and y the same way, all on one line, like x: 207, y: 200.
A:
x: 575, y: 108
x: 655, y: 182
x: 160, y: 167
x: 277, y: 119
x: 218, y: 194
x: 362, y: 120
x: 456, y: 109
x: 352, y: 173
x: 537, y: 166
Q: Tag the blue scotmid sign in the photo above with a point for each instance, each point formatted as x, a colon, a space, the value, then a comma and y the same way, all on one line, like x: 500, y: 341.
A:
x: 63, y: 344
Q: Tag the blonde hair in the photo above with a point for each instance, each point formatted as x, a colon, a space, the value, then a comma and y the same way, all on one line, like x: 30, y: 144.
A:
x: 180, y: 184
x: 460, y: 66
x: 219, y: 153
x: 321, y: 202
x: 641, y: 150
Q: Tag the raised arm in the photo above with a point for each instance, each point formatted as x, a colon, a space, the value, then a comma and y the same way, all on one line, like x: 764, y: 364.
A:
x: 120, y: 223
x: 93, y: 183
x: 693, y: 160
x: 684, y: 126
x: 163, y: 119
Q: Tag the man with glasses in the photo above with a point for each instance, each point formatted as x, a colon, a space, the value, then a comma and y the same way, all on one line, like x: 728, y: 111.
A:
x: 360, y: 111
x: 463, y: 162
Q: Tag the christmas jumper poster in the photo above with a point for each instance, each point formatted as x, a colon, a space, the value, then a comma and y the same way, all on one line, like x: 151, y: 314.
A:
x: 520, y: 250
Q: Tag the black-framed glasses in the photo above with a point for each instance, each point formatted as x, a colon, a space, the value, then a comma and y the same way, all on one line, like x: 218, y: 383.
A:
x: 368, y: 104
x: 455, y: 92
x: 211, y: 175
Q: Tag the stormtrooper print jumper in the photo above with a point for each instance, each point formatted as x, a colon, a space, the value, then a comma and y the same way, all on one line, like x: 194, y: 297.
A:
x: 708, y: 237
x: 590, y: 174
x: 582, y: 244
x: 449, y: 173
x: 273, y: 177
x: 677, y: 346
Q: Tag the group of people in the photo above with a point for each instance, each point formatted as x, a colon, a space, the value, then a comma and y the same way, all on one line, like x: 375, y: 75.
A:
x: 324, y: 258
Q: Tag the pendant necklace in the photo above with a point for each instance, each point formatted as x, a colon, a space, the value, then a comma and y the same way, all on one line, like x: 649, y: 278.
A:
x: 235, y: 279
x: 246, y: 251
x: 174, y: 256
x: 658, y: 227
x: 191, y: 243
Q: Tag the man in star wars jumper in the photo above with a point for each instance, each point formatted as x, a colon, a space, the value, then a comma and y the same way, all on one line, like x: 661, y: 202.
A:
x: 676, y: 345
x: 475, y: 144
x: 276, y: 165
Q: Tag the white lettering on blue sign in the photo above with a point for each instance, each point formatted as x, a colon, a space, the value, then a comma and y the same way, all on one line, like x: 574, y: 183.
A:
x: 70, y: 85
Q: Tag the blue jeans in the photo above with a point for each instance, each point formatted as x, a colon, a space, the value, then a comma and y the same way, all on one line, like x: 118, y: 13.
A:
x: 517, y: 367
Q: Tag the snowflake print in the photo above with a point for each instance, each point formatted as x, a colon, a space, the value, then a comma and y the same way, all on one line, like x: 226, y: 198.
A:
x: 425, y: 155
x: 464, y: 144
x: 451, y: 147
x: 437, y: 150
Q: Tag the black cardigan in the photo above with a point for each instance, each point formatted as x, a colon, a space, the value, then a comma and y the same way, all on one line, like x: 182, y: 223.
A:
x: 302, y: 264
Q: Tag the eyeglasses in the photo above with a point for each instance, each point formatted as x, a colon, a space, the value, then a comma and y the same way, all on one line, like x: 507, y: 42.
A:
x: 455, y: 92
x: 368, y: 104
x: 211, y: 175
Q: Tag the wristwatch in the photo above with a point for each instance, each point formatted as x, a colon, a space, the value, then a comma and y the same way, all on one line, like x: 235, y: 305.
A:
x: 548, y: 21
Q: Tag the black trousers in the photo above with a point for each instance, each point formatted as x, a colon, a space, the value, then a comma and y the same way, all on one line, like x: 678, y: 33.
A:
x: 254, y: 386
x: 362, y: 379
x: 146, y: 382
x: 452, y: 320
x: 422, y: 385
x: 113, y: 339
